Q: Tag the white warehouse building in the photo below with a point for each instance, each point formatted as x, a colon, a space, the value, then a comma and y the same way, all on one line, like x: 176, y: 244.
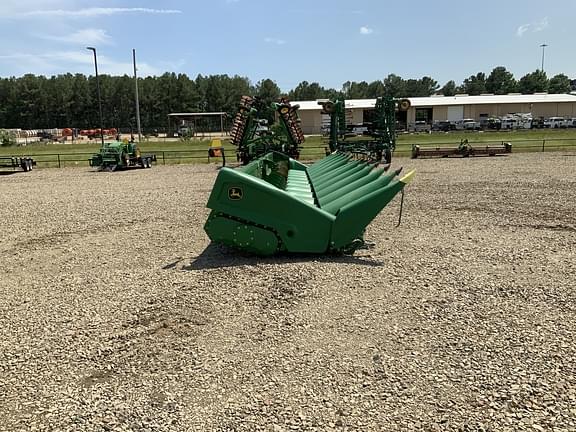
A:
x: 451, y: 108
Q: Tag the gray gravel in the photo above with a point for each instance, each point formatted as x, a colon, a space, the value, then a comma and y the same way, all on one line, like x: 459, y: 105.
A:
x: 117, y: 314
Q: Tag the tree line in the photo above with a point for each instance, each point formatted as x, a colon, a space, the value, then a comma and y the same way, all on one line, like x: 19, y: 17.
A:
x: 70, y: 100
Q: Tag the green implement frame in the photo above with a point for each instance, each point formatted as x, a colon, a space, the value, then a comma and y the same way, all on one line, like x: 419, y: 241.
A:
x: 276, y: 204
x: 381, y: 140
x: 253, y: 138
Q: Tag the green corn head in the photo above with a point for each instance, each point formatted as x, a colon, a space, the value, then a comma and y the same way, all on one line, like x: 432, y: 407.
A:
x: 276, y: 204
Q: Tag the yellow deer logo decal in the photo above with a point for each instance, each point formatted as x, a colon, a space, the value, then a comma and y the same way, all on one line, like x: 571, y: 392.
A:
x: 235, y: 193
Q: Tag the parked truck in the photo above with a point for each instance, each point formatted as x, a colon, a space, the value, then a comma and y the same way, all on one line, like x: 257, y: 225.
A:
x: 555, y: 123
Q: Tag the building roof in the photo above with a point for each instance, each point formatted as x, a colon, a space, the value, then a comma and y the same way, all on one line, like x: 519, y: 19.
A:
x: 454, y: 100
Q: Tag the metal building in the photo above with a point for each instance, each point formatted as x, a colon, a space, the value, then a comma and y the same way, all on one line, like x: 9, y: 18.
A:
x: 451, y: 108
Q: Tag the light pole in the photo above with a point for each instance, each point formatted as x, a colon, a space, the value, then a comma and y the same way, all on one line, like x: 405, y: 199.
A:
x: 99, y: 96
x: 543, y: 46
x: 137, y: 101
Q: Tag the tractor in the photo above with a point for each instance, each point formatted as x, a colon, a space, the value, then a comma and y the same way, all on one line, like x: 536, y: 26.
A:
x: 121, y: 155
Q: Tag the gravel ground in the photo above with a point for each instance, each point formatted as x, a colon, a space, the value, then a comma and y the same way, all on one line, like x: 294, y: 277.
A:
x: 117, y: 314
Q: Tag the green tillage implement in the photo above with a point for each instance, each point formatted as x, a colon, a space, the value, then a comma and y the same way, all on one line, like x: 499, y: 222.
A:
x: 382, y: 141
x: 276, y: 204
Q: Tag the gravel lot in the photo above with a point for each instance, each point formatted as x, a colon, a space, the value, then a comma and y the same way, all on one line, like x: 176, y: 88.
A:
x: 117, y: 314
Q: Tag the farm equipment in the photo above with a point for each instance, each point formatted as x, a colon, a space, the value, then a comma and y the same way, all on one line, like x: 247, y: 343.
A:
x: 463, y: 150
x: 277, y: 204
x: 15, y: 162
x: 216, y: 150
x: 121, y: 155
x: 95, y: 133
x: 382, y: 136
x: 253, y: 138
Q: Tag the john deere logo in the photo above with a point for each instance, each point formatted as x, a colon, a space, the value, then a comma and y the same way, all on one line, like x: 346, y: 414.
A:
x: 235, y: 193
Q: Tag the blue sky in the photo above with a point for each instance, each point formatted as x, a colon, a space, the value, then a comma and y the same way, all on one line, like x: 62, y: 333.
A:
x: 327, y: 41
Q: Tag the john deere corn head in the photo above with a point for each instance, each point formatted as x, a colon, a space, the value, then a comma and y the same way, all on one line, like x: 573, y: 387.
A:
x: 276, y: 204
x: 121, y: 155
x: 254, y: 139
x: 380, y: 142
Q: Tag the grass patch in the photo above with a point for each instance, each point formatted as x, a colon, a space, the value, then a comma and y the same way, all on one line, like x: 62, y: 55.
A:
x: 196, y: 151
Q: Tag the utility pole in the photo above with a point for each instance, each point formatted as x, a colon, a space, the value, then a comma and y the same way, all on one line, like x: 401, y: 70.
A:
x: 137, y: 101
x: 543, y: 46
x: 99, y: 96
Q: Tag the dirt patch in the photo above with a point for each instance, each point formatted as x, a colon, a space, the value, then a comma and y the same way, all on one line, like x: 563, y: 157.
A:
x: 117, y: 314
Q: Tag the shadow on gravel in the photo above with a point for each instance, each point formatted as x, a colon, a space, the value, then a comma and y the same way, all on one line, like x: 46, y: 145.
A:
x: 218, y: 256
x: 3, y: 173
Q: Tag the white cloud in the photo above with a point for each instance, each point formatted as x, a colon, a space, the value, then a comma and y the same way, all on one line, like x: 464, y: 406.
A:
x: 366, y: 30
x: 94, y: 12
x: 80, y: 61
x: 542, y: 25
x: 10, y: 8
x: 274, y: 41
x: 522, y: 29
x: 83, y: 37
x: 534, y: 27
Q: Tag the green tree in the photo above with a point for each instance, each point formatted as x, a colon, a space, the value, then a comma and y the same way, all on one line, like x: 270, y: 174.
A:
x: 475, y: 84
x: 150, y: 105
x: 534, y: 82
x: 307, y: 91
x: 559, y: 84
x: 355, y: 90
x: 4, y: 108
x: 422, y: 87
x: 81, y: 103
x: 124, y: 103
x: 375, y: 89
x: 500, y: 81
x: 28, y: 101
x: 269, y: 92
x: 395, y: 86
x: 7, y: 138
x: 59, y: 99
x: 449, y: 89
x: 190, y: 98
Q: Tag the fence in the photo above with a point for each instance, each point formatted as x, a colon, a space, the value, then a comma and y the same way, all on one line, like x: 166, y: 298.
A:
x: 170, y: 157
x: 164, y: 157
x: 518, y: 146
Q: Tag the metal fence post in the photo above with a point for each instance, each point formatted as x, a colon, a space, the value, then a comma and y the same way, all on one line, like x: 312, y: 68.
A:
x: 543, y: 145
x: 59, y: 165
x: 163, y: 159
